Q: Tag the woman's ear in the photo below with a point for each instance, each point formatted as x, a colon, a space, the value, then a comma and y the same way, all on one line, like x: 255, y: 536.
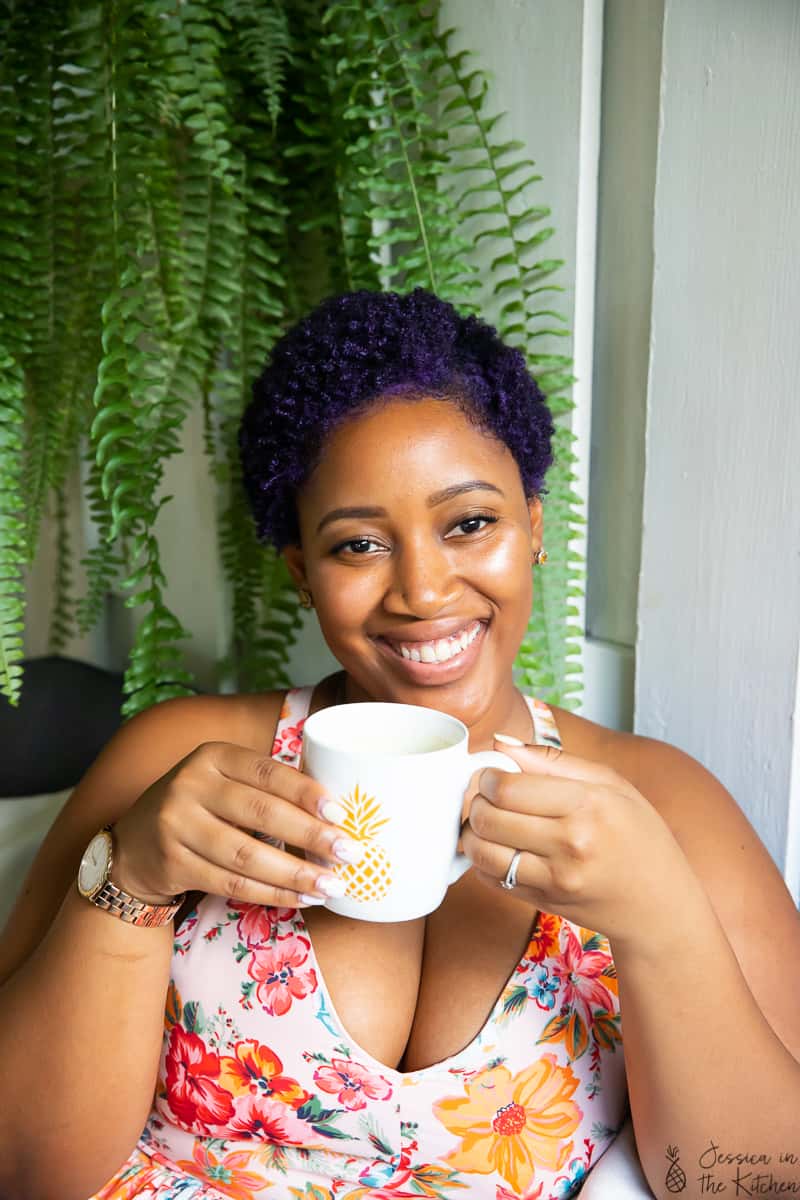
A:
x: 537, y: 522
x: 296, y: 564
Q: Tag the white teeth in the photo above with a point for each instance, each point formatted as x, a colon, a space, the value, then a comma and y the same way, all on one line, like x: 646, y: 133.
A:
x: 442, y: 649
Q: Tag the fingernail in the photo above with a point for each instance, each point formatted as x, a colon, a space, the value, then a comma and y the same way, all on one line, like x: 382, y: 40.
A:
x: 333, y: 811
x: 331, y: 886
x: 346, y: 850
x: 306, y: 899
x: 507, y: 739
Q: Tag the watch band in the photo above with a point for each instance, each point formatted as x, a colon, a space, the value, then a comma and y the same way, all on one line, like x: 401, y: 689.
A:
x: 136, y: 912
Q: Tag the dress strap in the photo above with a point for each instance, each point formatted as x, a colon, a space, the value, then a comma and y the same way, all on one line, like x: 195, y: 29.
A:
x: 288, y: 742
x: 544, y: 723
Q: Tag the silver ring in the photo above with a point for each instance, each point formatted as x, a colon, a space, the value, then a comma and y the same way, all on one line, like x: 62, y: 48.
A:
x: 510, y: 880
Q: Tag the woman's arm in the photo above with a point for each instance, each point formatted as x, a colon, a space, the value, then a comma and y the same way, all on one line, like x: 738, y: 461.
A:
x: 709, y: 1001
x: 673, y: 874
x: 81, y: 992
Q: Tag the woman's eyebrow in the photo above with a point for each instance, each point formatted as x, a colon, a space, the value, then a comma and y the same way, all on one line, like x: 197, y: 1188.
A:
x: 339, y: 514
x: 455, y: 489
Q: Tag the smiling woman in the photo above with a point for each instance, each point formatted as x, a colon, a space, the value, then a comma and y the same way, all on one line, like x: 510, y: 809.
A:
x: 395, y: 453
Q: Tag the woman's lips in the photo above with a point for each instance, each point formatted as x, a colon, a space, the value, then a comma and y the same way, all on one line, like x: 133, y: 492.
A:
x: 435, y: 672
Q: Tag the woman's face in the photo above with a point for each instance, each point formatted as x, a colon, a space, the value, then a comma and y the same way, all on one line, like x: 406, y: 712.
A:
x: 416, y: 544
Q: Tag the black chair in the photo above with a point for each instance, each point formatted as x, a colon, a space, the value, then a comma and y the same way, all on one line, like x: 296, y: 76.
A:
x: 67, y: 712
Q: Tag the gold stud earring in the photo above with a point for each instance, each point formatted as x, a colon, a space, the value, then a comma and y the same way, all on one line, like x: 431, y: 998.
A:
x: 540, y: 558
x: 305, y: 597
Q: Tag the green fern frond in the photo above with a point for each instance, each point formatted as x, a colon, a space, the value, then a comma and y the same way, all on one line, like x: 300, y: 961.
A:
x: 13, y: 544
x: 193, y: 45
x: 62, y: 615
x: 414, y: 238
x: 261, y: 28
x: 103, y: 562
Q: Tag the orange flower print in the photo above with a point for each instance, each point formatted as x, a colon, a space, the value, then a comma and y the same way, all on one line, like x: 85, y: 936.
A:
x: 226, y: 1171
x: 544, y: 939
x: 256, y: 1070
x: 513, y: 1123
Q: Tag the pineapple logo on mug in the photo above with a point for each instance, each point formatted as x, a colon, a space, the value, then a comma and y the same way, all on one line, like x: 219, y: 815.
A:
x: 412, y: 765
x: 371, y: 877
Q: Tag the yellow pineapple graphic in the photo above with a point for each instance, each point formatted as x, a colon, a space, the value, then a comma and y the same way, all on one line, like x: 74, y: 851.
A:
x: 371, y: 878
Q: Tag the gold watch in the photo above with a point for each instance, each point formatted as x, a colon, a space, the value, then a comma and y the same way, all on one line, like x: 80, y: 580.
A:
x: 94, y: 884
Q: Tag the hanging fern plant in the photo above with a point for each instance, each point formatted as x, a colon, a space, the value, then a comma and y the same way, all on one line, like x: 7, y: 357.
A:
x: 178, y: 182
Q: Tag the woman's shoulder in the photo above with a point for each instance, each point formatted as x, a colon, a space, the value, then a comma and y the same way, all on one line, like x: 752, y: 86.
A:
x: 641, y: 760
x: 244, y: 718
x: 679, y: 787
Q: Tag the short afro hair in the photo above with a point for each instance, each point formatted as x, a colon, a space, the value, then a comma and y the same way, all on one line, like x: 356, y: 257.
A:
x: 356, y: 349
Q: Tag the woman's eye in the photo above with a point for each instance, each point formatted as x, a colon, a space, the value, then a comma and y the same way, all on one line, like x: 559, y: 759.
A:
x: 357, y: 546
x: 473, y: 524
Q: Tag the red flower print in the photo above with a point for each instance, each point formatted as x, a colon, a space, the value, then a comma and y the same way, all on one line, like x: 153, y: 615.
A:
x: 544, y: 939
x: 351, y: 1083
x: 580, y: 972
x: 256, y: 1070
x: 193, y: 1095
x: 257, y: 922
x: 501, y: 1193
x: 289, y: 741
x: 267, y: 1119
x: 277, y: 970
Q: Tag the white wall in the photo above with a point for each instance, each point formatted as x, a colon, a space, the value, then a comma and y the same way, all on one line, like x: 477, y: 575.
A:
x: 719, y: 595
x: 628, y: 144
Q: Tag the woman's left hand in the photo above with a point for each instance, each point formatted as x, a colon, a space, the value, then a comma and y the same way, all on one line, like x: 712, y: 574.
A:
x: 594, y: 850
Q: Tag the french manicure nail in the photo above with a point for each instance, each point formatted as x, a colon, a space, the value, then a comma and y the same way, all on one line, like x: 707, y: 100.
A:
x: 507, y: 739
x: 333, y: 811
x: 347, y: 850
x: 306, y: 899
x: 331, y: 886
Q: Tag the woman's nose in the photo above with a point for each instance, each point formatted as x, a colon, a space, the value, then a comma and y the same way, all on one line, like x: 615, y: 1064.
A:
x: 423, y: 580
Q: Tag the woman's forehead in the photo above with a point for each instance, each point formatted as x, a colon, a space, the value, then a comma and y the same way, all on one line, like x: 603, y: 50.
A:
x: 403, y: 446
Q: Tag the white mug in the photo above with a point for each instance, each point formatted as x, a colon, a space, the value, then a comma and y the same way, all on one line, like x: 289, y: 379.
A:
x: 400, y: 772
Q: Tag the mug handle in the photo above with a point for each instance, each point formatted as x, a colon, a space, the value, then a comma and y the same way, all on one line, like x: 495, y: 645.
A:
x: 477, y: 761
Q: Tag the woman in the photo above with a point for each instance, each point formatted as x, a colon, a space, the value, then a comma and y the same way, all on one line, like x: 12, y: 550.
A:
x: 395, y: 452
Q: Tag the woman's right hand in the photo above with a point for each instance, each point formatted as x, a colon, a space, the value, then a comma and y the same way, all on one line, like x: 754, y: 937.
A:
x: 193, y: 830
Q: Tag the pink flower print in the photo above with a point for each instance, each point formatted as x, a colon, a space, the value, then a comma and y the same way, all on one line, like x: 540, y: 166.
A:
x: 267, y: 1119
x: 288, y: 741
x: 351, y: 1083
x: 257, y: 923
x: 277, y: 968
x: 580, y: 973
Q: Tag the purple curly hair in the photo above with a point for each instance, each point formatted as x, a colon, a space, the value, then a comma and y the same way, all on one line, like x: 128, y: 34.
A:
x: 355, y: 349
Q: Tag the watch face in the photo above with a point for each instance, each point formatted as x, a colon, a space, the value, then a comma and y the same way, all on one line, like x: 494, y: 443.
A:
x: 94, y: 864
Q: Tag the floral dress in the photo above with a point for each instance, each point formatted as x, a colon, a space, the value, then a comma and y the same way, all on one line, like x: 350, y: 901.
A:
x: 262, y: 1092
